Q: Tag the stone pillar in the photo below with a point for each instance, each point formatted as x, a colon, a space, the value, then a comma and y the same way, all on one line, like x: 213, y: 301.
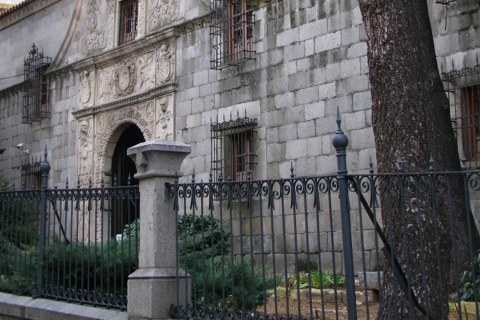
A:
x: 153, y: 287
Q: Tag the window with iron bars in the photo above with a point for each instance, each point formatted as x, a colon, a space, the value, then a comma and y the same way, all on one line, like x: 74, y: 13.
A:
x: 128, y: 21
x: 233, y: 149
x: 31, y: 175
x: 231, y: 33
x: 31, y: 178
x: 36, y: 95
x: 463, y: 89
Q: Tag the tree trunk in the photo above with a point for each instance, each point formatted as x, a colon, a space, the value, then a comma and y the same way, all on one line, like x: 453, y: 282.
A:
x: 411, y: 119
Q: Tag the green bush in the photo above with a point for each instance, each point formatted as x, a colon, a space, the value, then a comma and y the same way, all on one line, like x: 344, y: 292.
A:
x: 18, y: 242
x: 204, y: 252
x: 316, y: 279
x: 217, y: 279
x: 471, y: 284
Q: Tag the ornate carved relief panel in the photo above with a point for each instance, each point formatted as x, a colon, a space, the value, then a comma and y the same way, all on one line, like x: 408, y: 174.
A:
x: 136, y: 75
x: 86, y: 84
x: 164, y: 117
x: 142, y: 115
x: 85, y: 151
x: 100, y: 24
x: 165, y: 63
x: 162, y: 13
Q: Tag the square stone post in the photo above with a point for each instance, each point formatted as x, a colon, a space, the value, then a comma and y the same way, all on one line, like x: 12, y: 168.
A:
x: 153, y: 287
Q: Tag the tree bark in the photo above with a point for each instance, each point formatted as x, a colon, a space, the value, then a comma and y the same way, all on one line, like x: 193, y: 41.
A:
x: 411, y: 119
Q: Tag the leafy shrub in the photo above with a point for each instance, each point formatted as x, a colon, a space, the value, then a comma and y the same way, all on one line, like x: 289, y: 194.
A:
x: 470, y: 285
x: 316, y: 279
x: 204, y: 252
x: 18, y: 242
x: 217, y: 279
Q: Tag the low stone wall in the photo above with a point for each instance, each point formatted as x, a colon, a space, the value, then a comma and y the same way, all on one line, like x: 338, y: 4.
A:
x: 17, y: 307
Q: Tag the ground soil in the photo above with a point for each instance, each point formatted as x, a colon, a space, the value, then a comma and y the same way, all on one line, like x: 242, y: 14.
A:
x: 338, y: 310
x: 325, y: 311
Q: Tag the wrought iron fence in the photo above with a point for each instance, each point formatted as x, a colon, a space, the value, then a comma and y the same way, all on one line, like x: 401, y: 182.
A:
x: 83, y: 249
x: 350, y: 246
x: 275, y: 248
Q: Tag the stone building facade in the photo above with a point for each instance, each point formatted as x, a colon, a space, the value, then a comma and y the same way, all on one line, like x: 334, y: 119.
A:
x: 252, y: 86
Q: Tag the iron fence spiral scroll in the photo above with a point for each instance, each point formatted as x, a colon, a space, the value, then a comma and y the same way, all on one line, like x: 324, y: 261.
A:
x: 278, y: 209
x: 226, y: 199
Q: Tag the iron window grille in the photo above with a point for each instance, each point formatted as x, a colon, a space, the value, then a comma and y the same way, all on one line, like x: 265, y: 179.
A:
x: 36, y: 95
x: 463, y: 89
x: 231, y: 33
x: 31, y: 178
x: 128, y: 21
x: 31, y: 175
x: 233, y: 149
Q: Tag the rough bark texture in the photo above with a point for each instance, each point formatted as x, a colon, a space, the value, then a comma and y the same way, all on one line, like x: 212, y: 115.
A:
x: 411, y: 119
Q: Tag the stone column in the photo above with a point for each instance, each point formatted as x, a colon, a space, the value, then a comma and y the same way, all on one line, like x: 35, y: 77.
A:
x: 153, y: 287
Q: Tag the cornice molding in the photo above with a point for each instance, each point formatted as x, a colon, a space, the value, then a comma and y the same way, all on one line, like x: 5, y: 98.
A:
x: 13, y: 90
x: 135, y: 99
x: 137, y: 47
x: 22, y: 11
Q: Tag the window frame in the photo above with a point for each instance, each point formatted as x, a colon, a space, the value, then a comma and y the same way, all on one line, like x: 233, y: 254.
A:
x: 128, y: 21
x: 231, y: 33
x: 471, y: 122
x: 233, y: 149
x: 462, y: 87
x: 36, y: 87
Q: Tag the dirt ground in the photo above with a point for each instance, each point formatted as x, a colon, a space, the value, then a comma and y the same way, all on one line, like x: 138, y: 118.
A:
x: 338, y: 310
x: 318, y: 310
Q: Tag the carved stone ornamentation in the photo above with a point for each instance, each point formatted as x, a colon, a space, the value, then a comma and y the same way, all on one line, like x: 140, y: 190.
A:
x: 101, y: 30
x: 141, y: 115
x: 124, y: 78
x: 146, y: 74
x: 165, y: 63
x: 164, y: 118
x: 163, y: 13
x: 85, y: 87
x: 104, y: 85
x: 92, y: 9
x: 85, y: 149
x: 141, y: 24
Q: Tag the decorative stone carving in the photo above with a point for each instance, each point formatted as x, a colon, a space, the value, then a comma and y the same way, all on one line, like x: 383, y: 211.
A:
x: 165, y: 63
x: 142, y: 115
x: 163, y: 13
x: 92, y: 9
x: 164, y: 118
x: 85, y: 148
x: 131, y: 76
x: 141, y: 24
x: 85, y: 87
x: 124, y: 77
x: 146, y: 79
x: 104, y: 85
x: 101, y: 35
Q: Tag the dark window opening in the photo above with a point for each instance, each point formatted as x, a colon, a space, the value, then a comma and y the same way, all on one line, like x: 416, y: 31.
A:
x: 31, y: 178
x: 470, y: 119
x: 463, y: 89
x: 233, y: 149
x: 36, y: 95
x: 128, y: 21
x: 231, y: 33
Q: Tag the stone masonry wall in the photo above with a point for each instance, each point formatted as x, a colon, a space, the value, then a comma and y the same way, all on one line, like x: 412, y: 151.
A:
x: 310, y: 60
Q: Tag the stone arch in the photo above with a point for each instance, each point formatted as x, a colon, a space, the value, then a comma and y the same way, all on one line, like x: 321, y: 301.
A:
x: 109, y: 127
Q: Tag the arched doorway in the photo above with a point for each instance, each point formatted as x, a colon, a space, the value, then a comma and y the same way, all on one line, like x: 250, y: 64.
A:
x: 123, y: 169
x: 122, y: 165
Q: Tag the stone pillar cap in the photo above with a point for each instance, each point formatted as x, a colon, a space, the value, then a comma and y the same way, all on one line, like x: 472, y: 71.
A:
x: 158, y: 158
